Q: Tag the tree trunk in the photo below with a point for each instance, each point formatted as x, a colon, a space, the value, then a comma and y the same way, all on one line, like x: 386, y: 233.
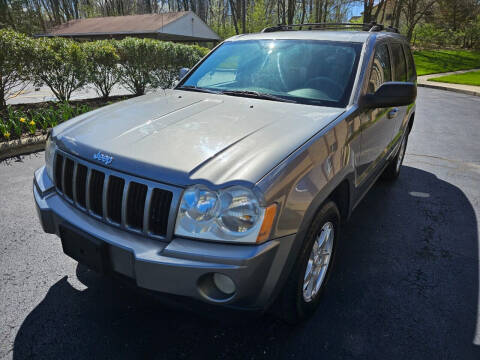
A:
x: 398, y: 13
x: 244, y: 16
x: 290, y: 11
x: 234, y: 16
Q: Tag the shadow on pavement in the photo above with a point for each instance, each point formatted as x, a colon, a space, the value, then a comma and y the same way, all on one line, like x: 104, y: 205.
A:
x: 405, y: 286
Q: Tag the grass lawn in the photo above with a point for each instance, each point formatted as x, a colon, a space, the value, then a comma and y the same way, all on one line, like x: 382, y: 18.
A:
x: 439, y: 61
x: 469, y: 78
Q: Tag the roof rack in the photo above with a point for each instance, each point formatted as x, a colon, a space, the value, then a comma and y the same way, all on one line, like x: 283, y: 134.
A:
x: 370, y: 27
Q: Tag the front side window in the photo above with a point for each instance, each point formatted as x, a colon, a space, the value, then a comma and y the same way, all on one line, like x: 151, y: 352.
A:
x: 381, y: 69
x: 399, y: 63
x: 303, y: 71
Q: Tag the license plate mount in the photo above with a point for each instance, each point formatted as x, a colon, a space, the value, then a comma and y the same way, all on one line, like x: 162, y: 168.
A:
x: 84, y: 249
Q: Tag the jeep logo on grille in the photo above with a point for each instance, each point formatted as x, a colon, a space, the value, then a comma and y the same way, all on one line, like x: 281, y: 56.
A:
x: 106, y: 159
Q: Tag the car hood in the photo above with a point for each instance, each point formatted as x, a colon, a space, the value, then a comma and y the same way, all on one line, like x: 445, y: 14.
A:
x: 182, y: 137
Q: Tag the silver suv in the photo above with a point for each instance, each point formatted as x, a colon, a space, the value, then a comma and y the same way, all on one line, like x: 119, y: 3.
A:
x: 232, y: 187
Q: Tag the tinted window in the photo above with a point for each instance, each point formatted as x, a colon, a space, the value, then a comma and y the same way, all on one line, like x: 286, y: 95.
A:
x: 305, y: 71
x: 410, y: 63
x: 381, y: 69
x: 399, y: 63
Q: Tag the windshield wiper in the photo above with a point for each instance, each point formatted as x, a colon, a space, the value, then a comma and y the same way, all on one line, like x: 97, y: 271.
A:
x: 256, y: 94
x: 195, y: 88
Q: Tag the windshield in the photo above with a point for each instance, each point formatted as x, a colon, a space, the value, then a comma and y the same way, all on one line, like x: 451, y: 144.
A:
x: 304, y: 71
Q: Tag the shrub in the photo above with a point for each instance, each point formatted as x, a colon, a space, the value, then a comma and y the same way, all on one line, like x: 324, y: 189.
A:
x: 171, y: 58
x: 102, y: 62
x: 138, y: 59
x: 146, y: 62
x: 61, y: 64
x: 15, y: 63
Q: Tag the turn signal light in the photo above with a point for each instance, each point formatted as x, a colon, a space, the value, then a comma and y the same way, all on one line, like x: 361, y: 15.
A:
x: 266, y: 229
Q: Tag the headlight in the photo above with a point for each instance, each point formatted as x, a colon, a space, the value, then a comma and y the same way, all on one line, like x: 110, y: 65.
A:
x: 232, y: 215
x: 50, y: 148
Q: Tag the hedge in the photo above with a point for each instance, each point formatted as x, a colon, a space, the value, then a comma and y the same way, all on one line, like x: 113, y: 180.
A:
x: 66, y: 66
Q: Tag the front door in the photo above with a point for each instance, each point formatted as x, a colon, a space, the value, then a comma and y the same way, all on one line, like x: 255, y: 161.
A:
x: 378, y: 125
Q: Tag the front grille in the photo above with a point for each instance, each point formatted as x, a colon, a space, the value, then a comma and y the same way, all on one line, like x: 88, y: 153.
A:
x: 95, y: 192
x: 68, y: 178
x: 59, y: 171
x: 81, y: 182
x: 114, y: 198
x: 136, y: 204
x: 121, y: 200
x: 160, y: 205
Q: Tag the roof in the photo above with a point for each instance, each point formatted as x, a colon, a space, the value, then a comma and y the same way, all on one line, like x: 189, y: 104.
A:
x: 155, y: 24
x: 350, y: 36
x: 116, y: 24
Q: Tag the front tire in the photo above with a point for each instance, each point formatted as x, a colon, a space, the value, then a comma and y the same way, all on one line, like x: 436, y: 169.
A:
x: 302, y: 292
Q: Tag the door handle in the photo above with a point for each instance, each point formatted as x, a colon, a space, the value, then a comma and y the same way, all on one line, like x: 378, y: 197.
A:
x: 393, y: 113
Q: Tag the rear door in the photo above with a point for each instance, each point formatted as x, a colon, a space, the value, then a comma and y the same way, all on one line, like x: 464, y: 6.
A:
x: 377, y: 127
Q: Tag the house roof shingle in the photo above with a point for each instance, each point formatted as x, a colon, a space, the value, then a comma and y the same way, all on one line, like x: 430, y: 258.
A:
x: 131, y: 24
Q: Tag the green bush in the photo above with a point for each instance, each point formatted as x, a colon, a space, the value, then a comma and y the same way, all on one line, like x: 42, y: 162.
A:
x: 170, y: 59
x: 61, y: 64
x: 102, y: 65
x: 15, y: 63
x: 138, y: 59
x: 430, y: 35
x: 66, y: 66
x: 147, y: 62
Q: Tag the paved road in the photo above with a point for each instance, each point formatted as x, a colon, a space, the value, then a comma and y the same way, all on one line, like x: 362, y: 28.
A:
x: 406, y: 285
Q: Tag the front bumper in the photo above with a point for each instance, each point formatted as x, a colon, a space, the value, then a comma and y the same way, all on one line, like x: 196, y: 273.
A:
x: 177, y: 267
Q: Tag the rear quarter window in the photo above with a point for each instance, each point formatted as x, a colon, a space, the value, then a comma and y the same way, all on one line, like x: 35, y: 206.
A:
x: 411, y: 73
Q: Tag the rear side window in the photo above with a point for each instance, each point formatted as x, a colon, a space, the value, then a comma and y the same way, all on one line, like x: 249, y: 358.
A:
x: 381, y: 69
x: 410, y: 63
x: 399, y: 62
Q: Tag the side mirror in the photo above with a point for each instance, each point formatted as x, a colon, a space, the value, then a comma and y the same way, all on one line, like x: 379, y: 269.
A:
x: 391, y: 94
x: 182, y: 72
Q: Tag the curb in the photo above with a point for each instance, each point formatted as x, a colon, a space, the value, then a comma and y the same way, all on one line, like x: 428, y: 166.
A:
x: 22, y: 146
x: 440, y: 87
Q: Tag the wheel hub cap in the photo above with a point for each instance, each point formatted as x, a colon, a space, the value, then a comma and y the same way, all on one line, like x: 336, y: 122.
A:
x: 318, y: 262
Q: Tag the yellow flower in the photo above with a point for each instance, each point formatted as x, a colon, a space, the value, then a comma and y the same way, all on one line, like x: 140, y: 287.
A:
x: 31, y: 123
x: 22, y: 120
x: 7, y: 135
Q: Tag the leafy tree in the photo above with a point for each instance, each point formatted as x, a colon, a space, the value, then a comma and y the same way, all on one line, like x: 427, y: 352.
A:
x: 138, y: 61
x: 61, y: 64
x: 171, y: 58
x: 15, y: 63
x: 102, y: 63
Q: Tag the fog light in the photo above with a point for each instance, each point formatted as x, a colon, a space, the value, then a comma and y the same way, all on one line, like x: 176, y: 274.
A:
x: 224, y: 283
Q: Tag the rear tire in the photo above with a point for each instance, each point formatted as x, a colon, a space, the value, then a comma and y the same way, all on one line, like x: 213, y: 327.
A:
x: 296, y: 302
x: 392, y: 171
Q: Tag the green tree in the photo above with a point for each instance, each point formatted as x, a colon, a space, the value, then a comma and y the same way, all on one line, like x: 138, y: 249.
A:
x: 61, y: 64
x: 15, y: 63
x: 138, y: 61
x: 102, y: 63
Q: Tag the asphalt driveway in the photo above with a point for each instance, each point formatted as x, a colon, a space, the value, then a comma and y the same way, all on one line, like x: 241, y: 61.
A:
x: 406, y: 285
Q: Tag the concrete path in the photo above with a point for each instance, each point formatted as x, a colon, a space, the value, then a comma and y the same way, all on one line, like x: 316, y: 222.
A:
x: 31, y: 94
x: 465, y: 89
